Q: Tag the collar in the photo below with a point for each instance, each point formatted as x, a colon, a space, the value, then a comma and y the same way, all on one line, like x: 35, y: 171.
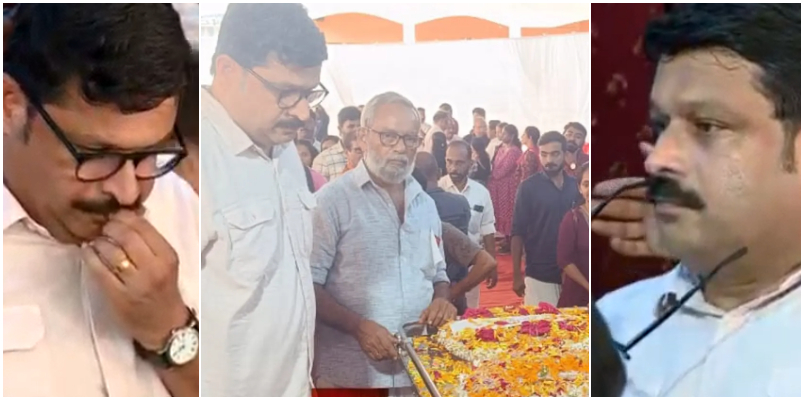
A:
x: 361, y: 177
x: 685, y: 280
x: 231, y: 133
x: 434, y: 190
x: 452, y: 186
x: 12, y: 209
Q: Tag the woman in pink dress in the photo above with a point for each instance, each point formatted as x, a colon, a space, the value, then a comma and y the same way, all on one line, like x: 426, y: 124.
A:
x: 503, y: 182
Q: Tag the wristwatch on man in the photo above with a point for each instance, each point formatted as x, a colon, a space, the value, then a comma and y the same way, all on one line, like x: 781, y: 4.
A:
x: 180, y: 349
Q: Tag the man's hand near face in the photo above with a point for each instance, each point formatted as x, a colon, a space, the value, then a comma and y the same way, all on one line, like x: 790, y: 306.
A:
x: 622, y: 221
x: 137, y: 270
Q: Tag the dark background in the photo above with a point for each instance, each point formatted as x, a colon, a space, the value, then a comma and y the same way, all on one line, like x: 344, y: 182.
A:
x: 621, y: 80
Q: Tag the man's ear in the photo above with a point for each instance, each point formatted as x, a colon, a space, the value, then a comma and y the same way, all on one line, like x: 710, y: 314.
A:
x: 15, y: 105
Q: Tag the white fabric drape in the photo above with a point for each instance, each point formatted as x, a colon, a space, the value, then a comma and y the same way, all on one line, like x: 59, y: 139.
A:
x: 543, y: 82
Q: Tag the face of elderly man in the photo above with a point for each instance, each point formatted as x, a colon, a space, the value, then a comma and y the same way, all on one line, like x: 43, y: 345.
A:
x: 391, y: 138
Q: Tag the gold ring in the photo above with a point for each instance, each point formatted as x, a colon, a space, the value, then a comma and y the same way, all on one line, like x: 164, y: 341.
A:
x: 124, y: 265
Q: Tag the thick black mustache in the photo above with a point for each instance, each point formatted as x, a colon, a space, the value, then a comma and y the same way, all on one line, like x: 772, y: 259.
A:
x: 666, y: 190
x: 550, y: 166
x: 106, y: 207
x: 290, y: 123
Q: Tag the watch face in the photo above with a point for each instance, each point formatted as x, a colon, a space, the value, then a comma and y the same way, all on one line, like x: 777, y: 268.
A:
x: 184, y: 346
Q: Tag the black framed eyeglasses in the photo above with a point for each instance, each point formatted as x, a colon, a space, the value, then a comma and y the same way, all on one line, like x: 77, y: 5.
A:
x: 98, y: 166
x: 390, y: 139
x: 288, y: 98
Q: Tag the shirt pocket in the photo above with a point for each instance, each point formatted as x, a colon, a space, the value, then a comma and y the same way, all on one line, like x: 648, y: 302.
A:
x: 424, y: 251
x: 301, y: 222
x: 474, y: 223
x: 255, y: 237
x: 26, y: 359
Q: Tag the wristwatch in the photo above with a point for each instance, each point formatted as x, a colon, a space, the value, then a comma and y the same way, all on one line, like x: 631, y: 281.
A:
x: 180, y: 348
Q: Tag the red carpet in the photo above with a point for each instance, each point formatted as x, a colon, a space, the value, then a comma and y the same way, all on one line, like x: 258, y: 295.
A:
x: 501, y: 295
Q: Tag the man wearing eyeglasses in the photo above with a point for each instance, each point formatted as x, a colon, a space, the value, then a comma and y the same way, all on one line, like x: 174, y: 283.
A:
x: 726, y: 114
x: 100, y: 248
x: 377, y: 259
x: 256, y: 220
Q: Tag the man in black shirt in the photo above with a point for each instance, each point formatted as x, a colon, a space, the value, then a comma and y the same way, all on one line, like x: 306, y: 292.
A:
x: 541, y: 202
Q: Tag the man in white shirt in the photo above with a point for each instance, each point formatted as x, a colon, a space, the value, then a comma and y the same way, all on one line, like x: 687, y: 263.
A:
x: 256, y: 228
x: 440, y: 123
x: 332, y: 161
x: 726, y: 109
x: 481, y: 224
x: 423, y: 119
x: 100, y: 247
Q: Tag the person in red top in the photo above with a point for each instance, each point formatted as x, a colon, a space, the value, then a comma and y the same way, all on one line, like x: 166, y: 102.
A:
x: 529, y: 163
x: 576, y: 138
x: 503, y: 183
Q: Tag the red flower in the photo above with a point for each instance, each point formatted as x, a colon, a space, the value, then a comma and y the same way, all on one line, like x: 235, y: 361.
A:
x: 546, y: 308
x: 501, y: 323
x: 538, y: 328
x: 486, y: 335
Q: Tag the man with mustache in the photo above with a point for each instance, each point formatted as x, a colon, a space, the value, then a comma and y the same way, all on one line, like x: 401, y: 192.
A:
x: 377, y: 258
x: 481, y: 224
x: 100, y: 247
x: 257, y: 215
x: 726, y: 112
x: 541, y: 203
x: 575, y: 133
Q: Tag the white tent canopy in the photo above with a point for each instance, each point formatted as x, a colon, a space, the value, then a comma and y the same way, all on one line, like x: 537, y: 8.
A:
x: 540, y: 81
x: 529, y: 15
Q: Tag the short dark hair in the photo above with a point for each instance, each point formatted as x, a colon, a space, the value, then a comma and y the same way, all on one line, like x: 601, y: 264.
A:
x: 249, y: 33
x: 553, y: 137
x: 440, y: 115
x: 479, y: 111
x: 187, y: 118
x: 533, y: 133
x: 132, y: 56
x: 576, y: 125
x: 493, y: 124
x: 350, y: 113
x: 502, y: 125
x: 331, y: 138
x: 310, y: 148
x: 581, y: 170
x: 768, y: 35
x: 465, y: 146
x: 445, y: 106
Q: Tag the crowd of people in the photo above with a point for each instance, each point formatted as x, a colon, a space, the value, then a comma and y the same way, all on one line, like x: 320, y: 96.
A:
x: 489, y: 166
x: 401, y: 226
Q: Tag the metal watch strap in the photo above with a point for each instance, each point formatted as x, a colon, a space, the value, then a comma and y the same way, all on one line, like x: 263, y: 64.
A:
x: 160, y: 358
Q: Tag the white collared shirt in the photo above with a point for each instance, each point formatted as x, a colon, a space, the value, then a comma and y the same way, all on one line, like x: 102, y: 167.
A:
x: 59, y: 336
x: 754, y: 350
x: 256, y: 237
x: 492, y: 147
x: 482, y: 222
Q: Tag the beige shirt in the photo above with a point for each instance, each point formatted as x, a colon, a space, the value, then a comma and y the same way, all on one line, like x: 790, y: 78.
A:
x: 59, y: 336
x: 256, y: 238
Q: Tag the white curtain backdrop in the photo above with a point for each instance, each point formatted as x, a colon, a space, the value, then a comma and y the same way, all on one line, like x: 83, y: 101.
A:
x: 543, y: 81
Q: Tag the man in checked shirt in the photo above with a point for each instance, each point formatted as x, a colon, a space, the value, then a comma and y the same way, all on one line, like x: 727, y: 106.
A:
x: 377, y: 257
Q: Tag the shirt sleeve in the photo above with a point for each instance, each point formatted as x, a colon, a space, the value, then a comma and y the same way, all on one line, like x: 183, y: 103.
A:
x: 441, y: 266
x: 521, y: 212
x: 213, y: 247
x: 318, y: 163
x: 325, y: 240
x: 459, y: 247
x: 487, y: 222
x: 566, y: 241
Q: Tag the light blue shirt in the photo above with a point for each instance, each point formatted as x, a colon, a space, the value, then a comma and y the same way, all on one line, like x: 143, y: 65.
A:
x: 375, y: 266
x: 754, y: 350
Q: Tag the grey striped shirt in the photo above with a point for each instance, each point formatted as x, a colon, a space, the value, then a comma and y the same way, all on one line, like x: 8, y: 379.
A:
x: 375, y: 267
